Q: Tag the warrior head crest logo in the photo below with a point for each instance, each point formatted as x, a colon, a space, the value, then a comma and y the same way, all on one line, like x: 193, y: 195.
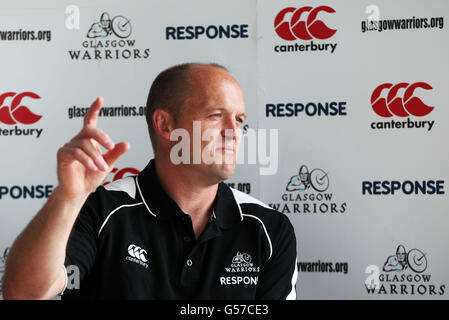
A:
x: 241, y: 258
x: 317, y: 179
x: 119, y: 25
x: 414, y: 259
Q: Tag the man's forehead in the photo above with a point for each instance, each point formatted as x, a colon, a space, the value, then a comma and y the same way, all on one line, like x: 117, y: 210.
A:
x: 208, y: 74
x: 211, y: 87
x: 211, y: 84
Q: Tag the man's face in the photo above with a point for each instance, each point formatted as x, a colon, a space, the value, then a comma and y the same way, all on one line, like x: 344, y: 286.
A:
x: 401, y: 256
x: 217, y: 106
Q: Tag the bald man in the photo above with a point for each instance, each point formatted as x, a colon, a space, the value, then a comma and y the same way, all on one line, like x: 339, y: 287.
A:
x: 174, y: 231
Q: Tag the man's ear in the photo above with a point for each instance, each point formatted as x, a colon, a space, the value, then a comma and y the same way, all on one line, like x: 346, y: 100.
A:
x: 163, y: 123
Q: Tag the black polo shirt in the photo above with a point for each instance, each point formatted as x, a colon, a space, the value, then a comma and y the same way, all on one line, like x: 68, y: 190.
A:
x: 132, y: 241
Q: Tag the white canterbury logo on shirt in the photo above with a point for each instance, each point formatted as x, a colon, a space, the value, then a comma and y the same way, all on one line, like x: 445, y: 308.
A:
x: 137, y: 252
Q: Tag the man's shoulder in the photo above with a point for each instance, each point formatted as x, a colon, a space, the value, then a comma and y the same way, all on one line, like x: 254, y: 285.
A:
x: 125, y: 188
x: 275, y: 225
x: 109, y: 199
x: 244, y: 198
x: 254, y: 207
x: 115, y: 194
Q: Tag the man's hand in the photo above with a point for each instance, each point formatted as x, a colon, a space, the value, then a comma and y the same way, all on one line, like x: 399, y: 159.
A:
x: 81, y: 164
x: 41, y: 248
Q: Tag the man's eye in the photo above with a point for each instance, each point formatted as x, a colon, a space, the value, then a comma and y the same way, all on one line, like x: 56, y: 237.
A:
x: 216, y: 115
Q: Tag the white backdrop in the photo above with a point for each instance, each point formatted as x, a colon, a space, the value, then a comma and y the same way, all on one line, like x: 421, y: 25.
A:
x: 340, y: 229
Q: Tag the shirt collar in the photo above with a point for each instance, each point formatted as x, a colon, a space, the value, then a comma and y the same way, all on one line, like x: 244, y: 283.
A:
x: 226, y: 212
x: 156, y: 200
x: 226, y: 209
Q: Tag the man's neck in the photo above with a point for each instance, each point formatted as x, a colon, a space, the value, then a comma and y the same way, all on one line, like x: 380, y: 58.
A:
x: 193, y: 197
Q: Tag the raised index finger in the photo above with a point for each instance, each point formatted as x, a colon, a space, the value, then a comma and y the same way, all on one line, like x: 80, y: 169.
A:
x: 90, y: 119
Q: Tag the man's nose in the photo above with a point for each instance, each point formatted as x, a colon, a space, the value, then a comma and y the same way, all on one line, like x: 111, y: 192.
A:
x: 231, y: 129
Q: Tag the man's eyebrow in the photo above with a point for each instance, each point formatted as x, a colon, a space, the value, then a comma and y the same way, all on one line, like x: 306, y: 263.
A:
x: 216, y: 108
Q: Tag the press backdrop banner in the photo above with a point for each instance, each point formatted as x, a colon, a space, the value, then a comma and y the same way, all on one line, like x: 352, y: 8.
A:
x: 347, y: 119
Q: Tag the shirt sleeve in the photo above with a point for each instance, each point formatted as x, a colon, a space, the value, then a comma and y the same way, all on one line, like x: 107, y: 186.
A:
x: 277, y: 279
x: 81, y: 247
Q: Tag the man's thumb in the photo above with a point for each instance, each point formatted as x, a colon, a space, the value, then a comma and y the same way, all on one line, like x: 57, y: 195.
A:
x: 113, y: 155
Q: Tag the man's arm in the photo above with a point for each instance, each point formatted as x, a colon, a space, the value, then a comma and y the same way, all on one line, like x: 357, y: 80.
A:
x: 277, y: 280
x: 34, y: 268
x: 35, y: 265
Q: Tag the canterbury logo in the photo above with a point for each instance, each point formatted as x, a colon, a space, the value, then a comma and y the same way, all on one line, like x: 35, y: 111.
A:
x: 401, y: 106
x: 17, y: 113
x: 137, y: 252
x: 299, y: 27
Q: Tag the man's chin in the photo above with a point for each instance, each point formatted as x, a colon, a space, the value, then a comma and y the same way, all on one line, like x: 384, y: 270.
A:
x: 223, y: 171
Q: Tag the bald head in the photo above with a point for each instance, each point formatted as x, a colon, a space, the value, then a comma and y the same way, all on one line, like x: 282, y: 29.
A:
x: 175, y: 85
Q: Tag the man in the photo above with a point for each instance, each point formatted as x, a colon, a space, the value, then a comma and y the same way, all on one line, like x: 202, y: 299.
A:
x: 301, y: 182
x: 175, y: 231
x: 397, y: 262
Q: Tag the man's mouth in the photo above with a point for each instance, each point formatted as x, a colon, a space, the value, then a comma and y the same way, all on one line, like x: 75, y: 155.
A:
x: 226, y: 149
